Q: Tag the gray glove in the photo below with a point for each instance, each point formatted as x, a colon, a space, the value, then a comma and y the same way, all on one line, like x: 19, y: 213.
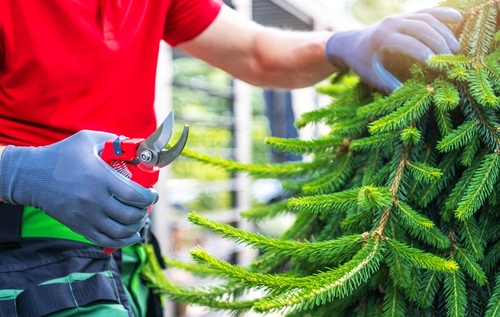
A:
x: 419, y: 35
x: 72, y: 184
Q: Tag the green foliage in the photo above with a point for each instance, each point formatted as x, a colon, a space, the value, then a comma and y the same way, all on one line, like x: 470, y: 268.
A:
x: 396, y: 212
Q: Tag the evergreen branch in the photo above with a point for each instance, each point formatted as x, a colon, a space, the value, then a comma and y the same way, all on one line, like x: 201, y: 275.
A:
x: 481, y: 186
x: 394, y: 188
x: 333, y: 180
x: 331, y: 227
x: 455, y: 294
x: 490, y: 62
x: 340, y: 111
x: 300, y: 227
x: 392, y: 102
x: 475, y: 298
x: 372, y: 165
x: 399, y: 162
x: 457, y: 73
x: 470, y: 151
x: 443, y: 119
x: 489, y: 232
x: 420, y: 227
x: 447, y: 166
x: 381, y: 176
x: 413, y: 109
x: 482, y: 29
x: 429, y: 288
x: 262, y: 170
x: 328, y: 253
x: 279, y: 282
x: 267, y: 211
x: 271, y: 261
x: 411, y: 136
x: 314, y: 116
x: 362, y: 220
x: 423, y: 172
x: 411, y: 217
x: 420, y: 258
x: 447, y: 96
x: 337, y: 202
x: 343, y: 84
x: 349, y: 127
x: 196, y: 269
x: 318, y: 252
x: 332, y: 284
x: 372, y: 198
x: 459, y: 189
x: 419, y: 71
x: 467, y: 27
x: 458, y: 137
x: 255, y: 240
x: 413, y: 291
x: 471, y: 238
x: 493, y: 307
x: 446, y: 61
x: 489, y: 28
x: 470, y: 266
x: 394, y: 303
x: 296, y: 146
x: 481, y: 89
x: 490, y: 262
x: 399, y: 268
x: 268, y: 262
x: 473, y: 112
x: 374, y: 141
x: 213, y: 297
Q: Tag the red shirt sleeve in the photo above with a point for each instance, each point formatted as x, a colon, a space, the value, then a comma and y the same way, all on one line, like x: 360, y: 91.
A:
x: 188, y: 18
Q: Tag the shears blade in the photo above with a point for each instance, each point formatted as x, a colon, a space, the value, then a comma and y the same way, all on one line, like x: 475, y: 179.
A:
x: 168, y: 156
x: 152, y: 151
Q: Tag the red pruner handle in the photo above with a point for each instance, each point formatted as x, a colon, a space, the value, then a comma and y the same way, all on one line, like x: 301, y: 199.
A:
x: 120, y: 154
x: 124, y: 152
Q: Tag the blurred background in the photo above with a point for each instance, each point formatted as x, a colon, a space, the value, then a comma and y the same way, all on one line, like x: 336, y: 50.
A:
x: 231, y: 119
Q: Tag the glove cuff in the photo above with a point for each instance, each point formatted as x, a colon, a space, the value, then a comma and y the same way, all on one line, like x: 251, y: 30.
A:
x: 5, y: 178
x: 333, y: 48
x: 19, y: 175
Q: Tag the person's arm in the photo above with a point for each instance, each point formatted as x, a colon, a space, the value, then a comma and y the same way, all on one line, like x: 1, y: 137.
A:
x: 262, y: 56
x: 273, y: 58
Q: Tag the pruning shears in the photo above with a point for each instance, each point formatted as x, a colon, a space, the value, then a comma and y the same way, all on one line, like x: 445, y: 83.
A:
x: 141, y: 159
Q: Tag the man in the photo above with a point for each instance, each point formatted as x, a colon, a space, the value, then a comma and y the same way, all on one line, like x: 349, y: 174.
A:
x: 77, y: 73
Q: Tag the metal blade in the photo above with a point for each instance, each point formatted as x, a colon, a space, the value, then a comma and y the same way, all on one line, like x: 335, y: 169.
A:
x: 168, y: 156
x: 148, y: 152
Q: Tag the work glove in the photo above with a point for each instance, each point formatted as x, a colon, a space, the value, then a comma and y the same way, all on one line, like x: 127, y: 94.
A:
x: 419, y: 35
x: 71, y: 183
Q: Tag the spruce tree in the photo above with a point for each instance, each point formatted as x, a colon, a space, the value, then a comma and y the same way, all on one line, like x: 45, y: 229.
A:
x: 396, y: 213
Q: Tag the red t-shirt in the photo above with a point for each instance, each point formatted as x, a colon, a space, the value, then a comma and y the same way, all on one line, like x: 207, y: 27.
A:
x: 69, y: 65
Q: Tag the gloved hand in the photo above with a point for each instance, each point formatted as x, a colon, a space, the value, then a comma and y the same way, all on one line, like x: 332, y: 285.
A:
x: 419, y: 35
x: 72, y: 184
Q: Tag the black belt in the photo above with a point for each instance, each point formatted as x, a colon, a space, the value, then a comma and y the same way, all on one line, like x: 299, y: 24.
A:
x: 39, y: 300
x: 10, y: 230
x: 10, y: 225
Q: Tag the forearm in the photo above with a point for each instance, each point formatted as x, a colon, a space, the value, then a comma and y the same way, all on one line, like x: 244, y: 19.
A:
x: 286, y: 59
x: 262, y: 56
